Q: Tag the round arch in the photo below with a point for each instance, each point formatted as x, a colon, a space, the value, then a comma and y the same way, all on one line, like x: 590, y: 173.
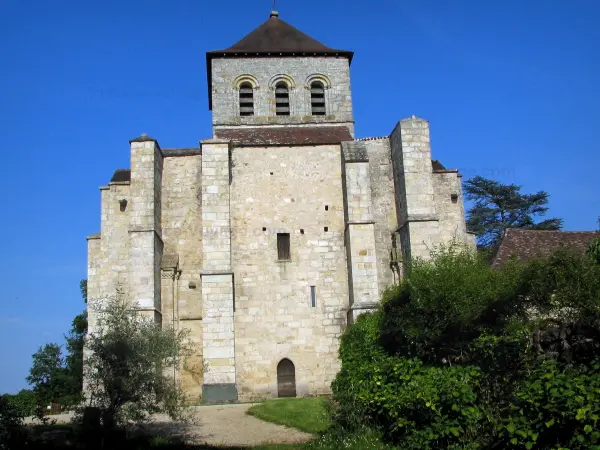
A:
x: 245, y: 78
x: 318, y: 77
x: 282, y: 77
x: 286, y: 378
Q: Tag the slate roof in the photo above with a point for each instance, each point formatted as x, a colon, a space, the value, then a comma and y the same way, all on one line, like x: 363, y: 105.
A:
x: 527, y: 244
x: 275, y: 37
x: 121, y: 175
x: 260, y: 136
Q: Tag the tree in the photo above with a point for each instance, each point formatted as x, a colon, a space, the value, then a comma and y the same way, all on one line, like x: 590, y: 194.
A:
x: 57, y: 377
x: 126, y: 371
x: 75, y: 342
x: 48, y: 375
x: 498, y: 206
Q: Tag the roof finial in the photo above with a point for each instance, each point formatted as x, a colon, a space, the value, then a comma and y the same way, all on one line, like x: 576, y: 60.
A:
x: 274, y: 12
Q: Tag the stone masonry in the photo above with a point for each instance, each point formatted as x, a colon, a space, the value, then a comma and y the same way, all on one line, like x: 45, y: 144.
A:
x: 266, y: 245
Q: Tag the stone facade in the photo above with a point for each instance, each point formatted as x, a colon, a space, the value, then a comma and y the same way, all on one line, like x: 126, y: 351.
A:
x: 197, y: 238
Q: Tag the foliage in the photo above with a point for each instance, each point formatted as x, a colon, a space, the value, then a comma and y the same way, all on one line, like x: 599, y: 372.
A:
x: 58, y: 377
x: 498, y: 206
x: 74, y: 360
x: 460, y: 355
x: 127, y: 367
x: 554, y: 408
x: 12, y: 431
x: 24, y: 402
x: 415, y: 404
x: 446, y: 302
x: 307, y: 414
x: 594, y: 250
x: 48, y: 376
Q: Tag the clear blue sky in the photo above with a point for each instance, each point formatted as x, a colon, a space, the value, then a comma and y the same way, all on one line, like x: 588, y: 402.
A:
x: 511, y: 89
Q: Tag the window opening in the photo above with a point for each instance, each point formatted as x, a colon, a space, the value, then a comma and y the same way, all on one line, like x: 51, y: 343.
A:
x: 246, y: 99
x: 317, y: 98
x: 283, y: 246
x: 282, y: 99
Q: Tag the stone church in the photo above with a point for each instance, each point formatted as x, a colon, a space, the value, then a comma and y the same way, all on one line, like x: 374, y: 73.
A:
x: 277, y: 231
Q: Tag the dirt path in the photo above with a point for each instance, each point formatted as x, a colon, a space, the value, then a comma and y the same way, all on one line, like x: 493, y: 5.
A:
x: 224, y: 425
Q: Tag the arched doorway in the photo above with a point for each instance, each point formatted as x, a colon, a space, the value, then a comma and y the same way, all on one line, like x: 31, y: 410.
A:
x: 286, y: 378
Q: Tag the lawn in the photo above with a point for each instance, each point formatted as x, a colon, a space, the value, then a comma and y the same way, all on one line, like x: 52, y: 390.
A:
x: 306, y: 414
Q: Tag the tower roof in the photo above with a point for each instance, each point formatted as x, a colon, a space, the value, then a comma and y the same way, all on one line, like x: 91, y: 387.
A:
x: 273, y: 38
x: 277, y: 36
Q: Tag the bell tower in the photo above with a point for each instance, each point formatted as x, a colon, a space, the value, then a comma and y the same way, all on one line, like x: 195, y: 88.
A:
x: 278, y: 76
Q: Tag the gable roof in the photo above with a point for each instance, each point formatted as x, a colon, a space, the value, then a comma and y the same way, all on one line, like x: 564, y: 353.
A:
x: 273, y: 38
x: 263, y: 136
x: 528, y: 244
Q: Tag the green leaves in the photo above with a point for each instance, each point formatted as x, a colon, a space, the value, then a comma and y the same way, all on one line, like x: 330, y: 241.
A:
x: 461, y: 356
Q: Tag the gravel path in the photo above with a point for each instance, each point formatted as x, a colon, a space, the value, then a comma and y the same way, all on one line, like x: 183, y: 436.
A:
x: 223, y: 425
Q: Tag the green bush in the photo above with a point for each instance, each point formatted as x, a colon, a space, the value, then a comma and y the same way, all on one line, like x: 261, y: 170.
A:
x: 463, y: 356
x: 554, y: 408
x: 12, y: 431
x: 445, y: 303
x: 416, y: 405
x: 25, y: 402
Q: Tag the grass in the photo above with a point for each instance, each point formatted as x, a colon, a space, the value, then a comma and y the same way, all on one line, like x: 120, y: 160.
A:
x: 306, y: 414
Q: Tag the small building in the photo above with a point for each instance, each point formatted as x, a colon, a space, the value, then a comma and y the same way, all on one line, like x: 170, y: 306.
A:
x: 278, y: 230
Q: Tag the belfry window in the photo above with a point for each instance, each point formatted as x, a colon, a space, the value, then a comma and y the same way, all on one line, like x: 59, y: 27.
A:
x: 246, y: 99
x: 282, y: 99
x: 317, y: 98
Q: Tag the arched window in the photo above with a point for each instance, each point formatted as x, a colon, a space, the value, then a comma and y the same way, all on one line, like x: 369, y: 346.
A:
x: 246, y: 99
x: 317, y: 98
x: 282, y: 99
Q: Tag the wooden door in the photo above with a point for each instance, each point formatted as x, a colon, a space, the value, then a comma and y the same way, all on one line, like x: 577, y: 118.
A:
x: 286, y: 378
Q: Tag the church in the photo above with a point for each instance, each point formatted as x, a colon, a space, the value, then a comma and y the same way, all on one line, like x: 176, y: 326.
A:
x: 277, y: 231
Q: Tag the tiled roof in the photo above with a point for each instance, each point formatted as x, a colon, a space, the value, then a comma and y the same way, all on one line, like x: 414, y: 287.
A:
x: 121, y: 175
x: 526, y: 244
x: 260, y: 136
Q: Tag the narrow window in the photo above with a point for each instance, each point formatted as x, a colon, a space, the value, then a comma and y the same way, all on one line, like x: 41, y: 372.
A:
x: 282, y: 99
x: 283, y: 246
x: 313, y: 296
x: 317, y: 98
x: 246, y: 99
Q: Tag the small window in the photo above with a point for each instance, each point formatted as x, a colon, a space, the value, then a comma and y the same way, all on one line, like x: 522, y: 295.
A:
x: 282, y: 99
x: 283, y: 246
x: 313, y: 296
x: 246, y: 99
x: 317, y: 98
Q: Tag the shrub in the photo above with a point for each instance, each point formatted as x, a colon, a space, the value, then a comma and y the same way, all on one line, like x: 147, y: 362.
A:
x: 445, y: 303
x: 12, y: 431
x: 463, y: 356
x: 554, y: 408
x: 24, y: 402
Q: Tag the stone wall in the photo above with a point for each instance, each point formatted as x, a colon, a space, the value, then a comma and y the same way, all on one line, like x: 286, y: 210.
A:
x: 295, y: 190
x: 415, y: 196
x: 145, y: 235
x: 383, y: 207
x: 181, y: 301
x: 263, y: 73
x: 449, y: 206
